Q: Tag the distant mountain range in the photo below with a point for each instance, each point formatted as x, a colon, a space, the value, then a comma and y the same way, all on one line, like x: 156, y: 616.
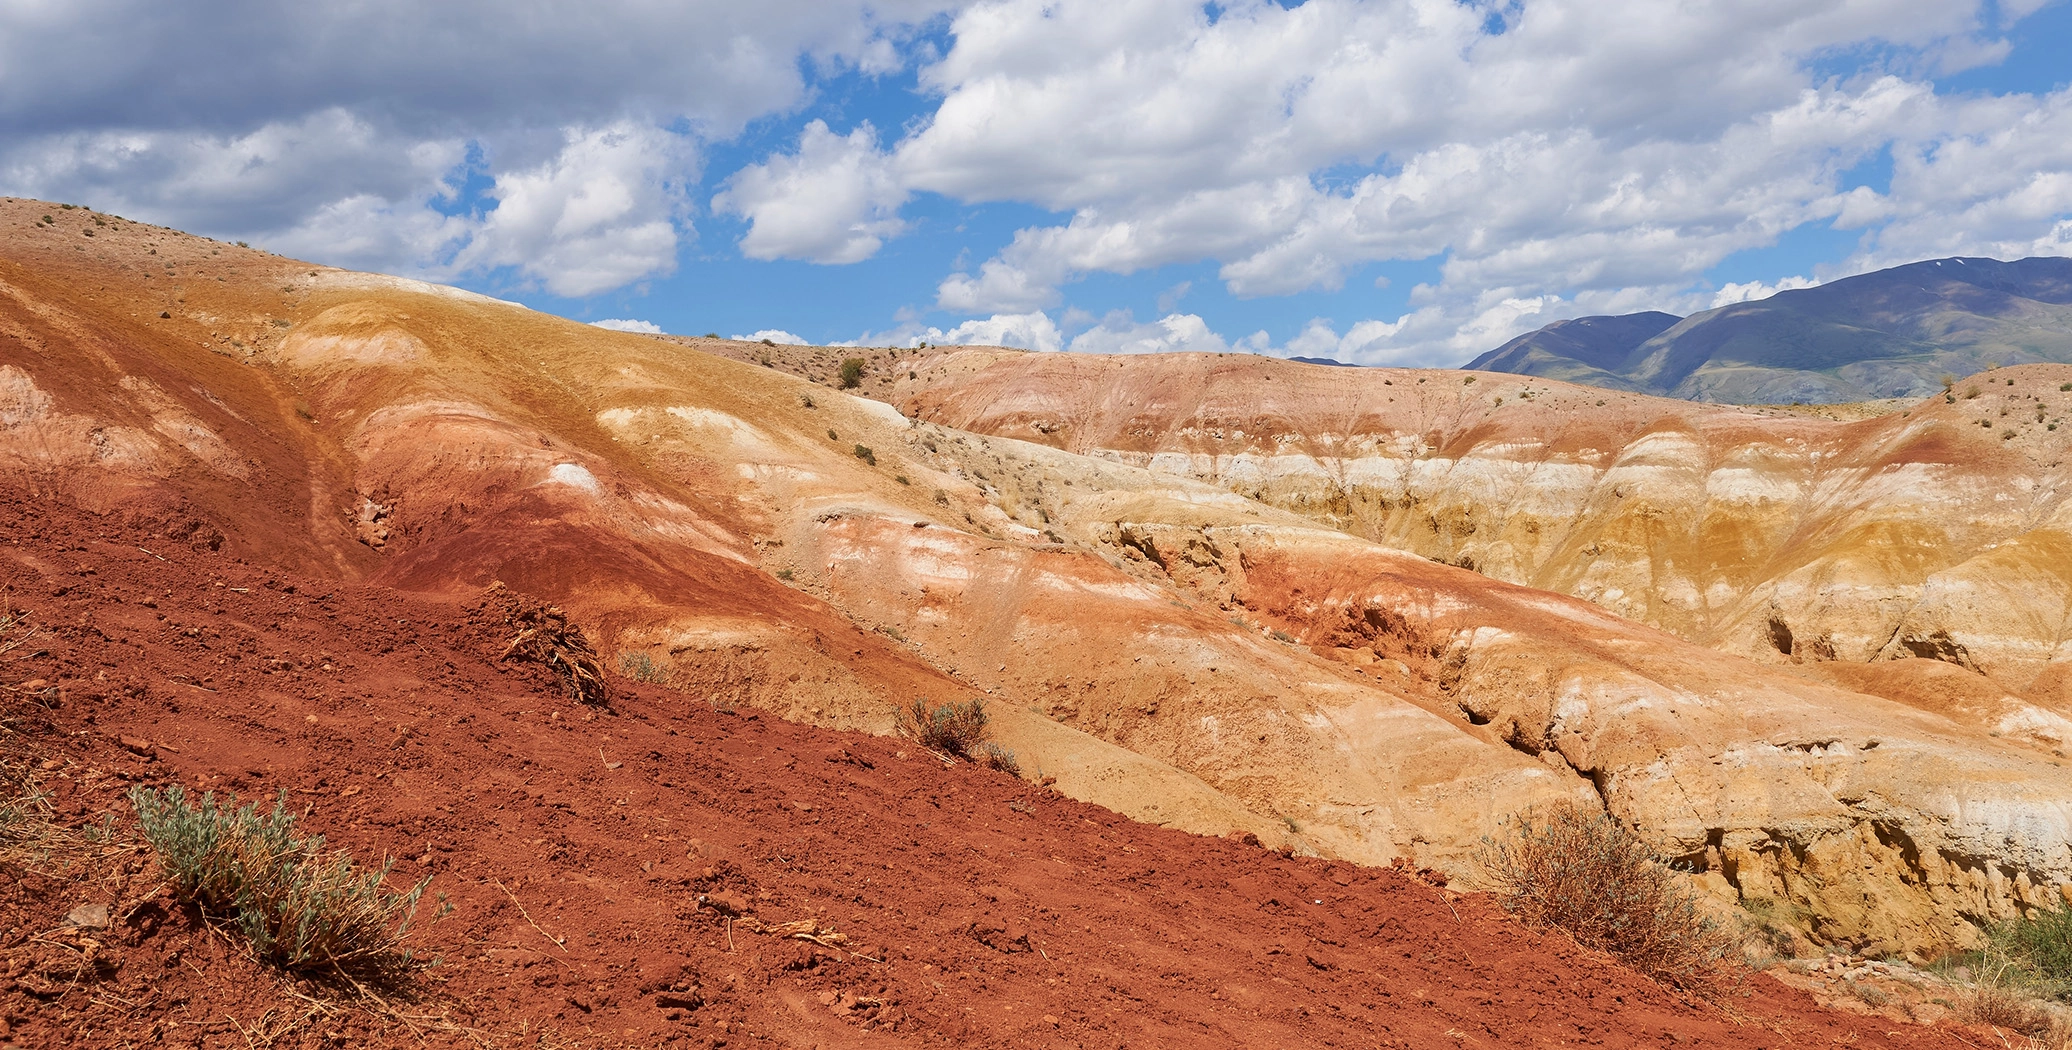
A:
x: 1891, y: 333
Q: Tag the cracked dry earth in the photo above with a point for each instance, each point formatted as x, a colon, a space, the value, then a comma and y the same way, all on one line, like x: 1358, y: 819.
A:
x: 972, y: 909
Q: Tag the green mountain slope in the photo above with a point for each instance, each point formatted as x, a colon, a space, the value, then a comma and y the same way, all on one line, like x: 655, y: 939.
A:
x: 1892, y: 333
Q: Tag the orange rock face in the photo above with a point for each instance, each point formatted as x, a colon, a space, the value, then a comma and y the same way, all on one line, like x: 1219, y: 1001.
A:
x: 1201, y: 593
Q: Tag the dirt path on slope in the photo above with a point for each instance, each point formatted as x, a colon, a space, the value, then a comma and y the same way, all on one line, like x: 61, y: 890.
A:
x: 977, y: 909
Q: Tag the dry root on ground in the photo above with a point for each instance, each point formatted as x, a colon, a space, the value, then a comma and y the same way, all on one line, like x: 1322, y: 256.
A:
x: 545, y: 635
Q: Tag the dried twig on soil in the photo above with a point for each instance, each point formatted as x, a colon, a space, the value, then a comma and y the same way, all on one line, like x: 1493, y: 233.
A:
x: 797, y: 930
x: 556, y: 941
x: 801, y: 930
x: 14, y: 625
x: 30, y: 838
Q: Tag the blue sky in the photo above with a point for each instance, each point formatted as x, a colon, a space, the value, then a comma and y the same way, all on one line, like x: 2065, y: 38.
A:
x: 1382, y: 181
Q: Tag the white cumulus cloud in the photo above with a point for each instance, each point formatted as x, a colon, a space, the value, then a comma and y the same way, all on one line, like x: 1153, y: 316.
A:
x: 1024, y: 331
x: 343, y: 132
x: 1592, y: 151
x: 834, y: 201
x: 1031, y: 331
x: 597, y: 216
x: 773, y: 335
x: 627, y: 324
x: 1554, y: 156
x: 1749, y: 291
x: 1174, y: 333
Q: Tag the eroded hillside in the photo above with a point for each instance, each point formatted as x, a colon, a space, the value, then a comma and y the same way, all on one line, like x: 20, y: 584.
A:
x: 1934, y: 529
x: 1603, y: 496
x: 1213, y: 660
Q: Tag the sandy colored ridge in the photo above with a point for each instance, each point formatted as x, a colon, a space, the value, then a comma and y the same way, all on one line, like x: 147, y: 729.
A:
x: 1161, y: 645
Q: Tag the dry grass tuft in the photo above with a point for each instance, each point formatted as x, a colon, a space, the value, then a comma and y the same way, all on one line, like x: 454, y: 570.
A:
x: 1578, y: 870
x: 25, y: 809
x: 27, y: 835
x: 2011, y: 990
x: 2005, y: 1007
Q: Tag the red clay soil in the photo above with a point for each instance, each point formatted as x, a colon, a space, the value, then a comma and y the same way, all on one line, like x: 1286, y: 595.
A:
x: 979, y: 910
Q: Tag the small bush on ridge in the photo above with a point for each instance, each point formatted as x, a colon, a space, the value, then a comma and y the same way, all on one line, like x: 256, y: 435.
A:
x: 955, y: 728
x: 1578, y: 870
x: 300, y: 908
x: 959, y: 729
x: 993, y: 756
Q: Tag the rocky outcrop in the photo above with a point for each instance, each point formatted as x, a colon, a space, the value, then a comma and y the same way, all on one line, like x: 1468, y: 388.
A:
x: 1890, y: 828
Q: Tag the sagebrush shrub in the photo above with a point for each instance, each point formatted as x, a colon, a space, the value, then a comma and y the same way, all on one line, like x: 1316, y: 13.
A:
x: 300, y: 907
x: 1578, y: 870
x: 959, y: 729
x: 944, y: 727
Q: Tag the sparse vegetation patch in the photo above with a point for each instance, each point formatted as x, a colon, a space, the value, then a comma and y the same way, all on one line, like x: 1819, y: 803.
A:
x: 956, y: 729
x: 1578, y: 870
x: 2040, y: 948
x: 299, y: 906
x: 642, y: 668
